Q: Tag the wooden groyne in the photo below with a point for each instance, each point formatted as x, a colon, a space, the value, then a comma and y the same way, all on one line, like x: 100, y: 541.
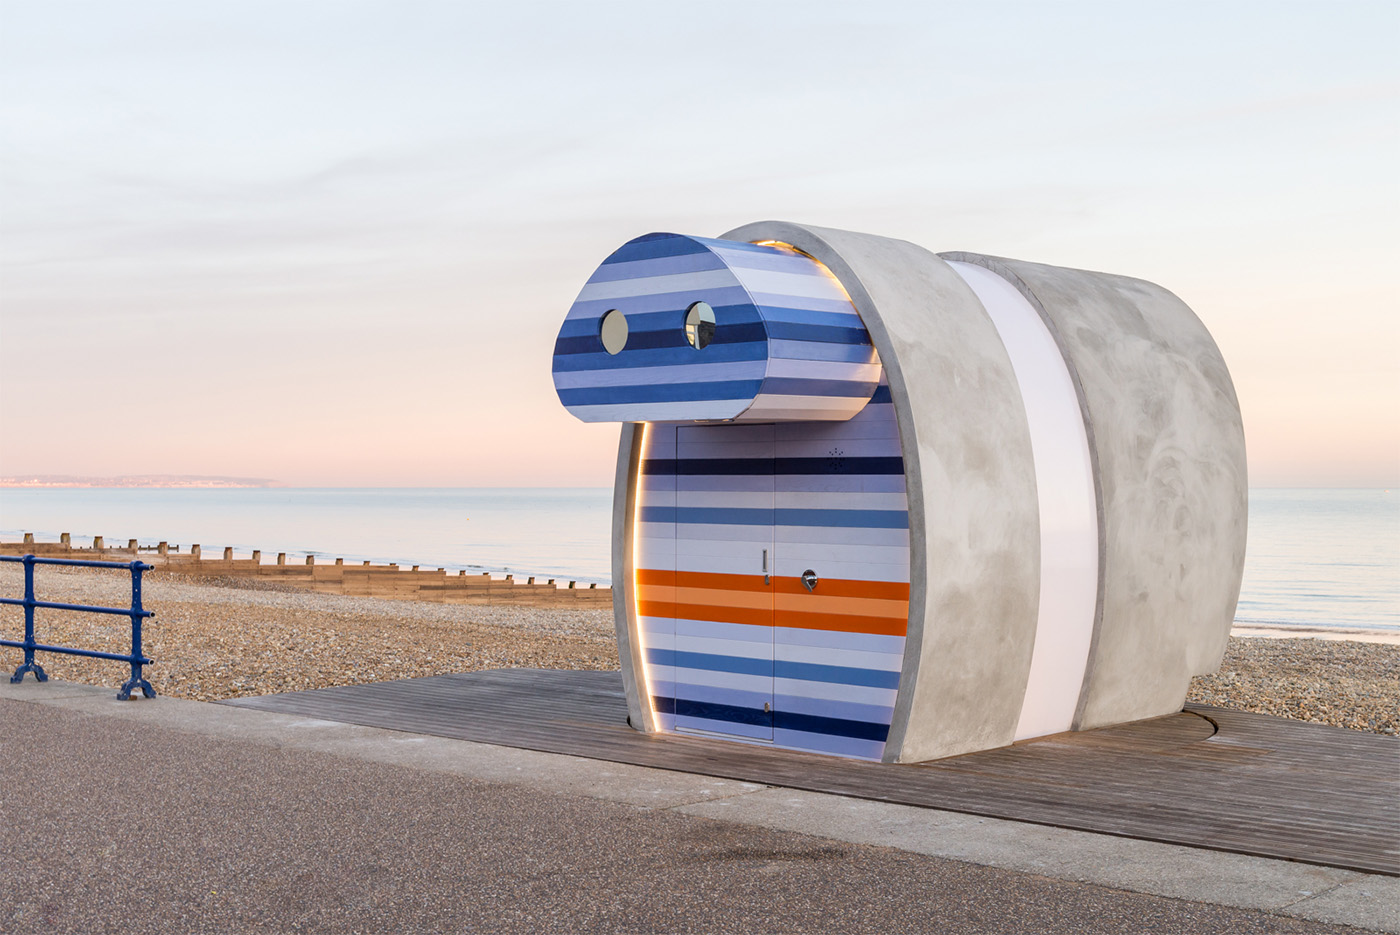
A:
x: 365, y: 580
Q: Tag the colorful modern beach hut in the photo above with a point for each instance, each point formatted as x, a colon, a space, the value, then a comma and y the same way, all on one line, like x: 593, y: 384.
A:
x: 881, y: 503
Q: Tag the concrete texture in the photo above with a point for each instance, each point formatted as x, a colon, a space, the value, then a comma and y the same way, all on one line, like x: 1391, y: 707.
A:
x: 228, y: 819
x: 973, y: 514
x: 629, y: 643
x: 1322, y: 893
x: 1167, y: 443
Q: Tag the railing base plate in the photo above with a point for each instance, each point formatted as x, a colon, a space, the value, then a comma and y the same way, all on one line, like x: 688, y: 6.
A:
x: 39, y: 674
x: 131, y: 685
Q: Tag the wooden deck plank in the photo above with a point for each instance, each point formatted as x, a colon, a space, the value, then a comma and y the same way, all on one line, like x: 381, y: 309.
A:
x: 1208, y: 777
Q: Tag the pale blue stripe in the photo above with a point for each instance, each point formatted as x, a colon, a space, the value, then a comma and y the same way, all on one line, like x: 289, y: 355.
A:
x: 827, y: 743
x: 657, y: 285
x: 832, y: 639
x: 676, y: 300
x: 660, y: 376
x: 822, y: 350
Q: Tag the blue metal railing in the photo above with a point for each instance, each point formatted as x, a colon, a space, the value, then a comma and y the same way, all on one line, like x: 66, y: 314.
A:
x: 136, y: 612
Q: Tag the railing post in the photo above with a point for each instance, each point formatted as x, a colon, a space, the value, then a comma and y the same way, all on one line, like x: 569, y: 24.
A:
x: 138, y: 613
x: 29, y: 664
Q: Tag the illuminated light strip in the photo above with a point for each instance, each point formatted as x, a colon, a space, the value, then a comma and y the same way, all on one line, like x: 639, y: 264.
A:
x: 640, y: 630
x: 1069, y: 532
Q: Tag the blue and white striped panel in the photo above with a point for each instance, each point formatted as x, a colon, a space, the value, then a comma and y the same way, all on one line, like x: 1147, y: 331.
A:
x: 828, y: 496
x: 788, y: 344
x: 848, y: 520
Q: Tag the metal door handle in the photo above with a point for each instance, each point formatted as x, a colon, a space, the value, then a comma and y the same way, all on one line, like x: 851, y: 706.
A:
x: 765, y: 566
x: 809, y: 579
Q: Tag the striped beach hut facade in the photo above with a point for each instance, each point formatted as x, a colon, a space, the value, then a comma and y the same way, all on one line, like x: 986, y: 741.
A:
x: 867, y: 502
x: 786, y: 341
x: 729, y: 517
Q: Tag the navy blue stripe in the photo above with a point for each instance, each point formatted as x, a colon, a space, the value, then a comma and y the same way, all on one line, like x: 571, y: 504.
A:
x: 831, y: 726
x: 823, y: 334
x: 739, y: 333
x: 739, y: 516
x: 765, y: 466
x: 649, y: 246
x: 800, y: 671
x: 802, y: 386
x: 882, y: 395
x: 666, y: 319
x: 722, y: 712
x: 807, y: 723
x: 659, y: 393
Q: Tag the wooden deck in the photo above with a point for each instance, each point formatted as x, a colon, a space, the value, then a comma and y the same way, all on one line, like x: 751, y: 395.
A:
x: 1208, y: 777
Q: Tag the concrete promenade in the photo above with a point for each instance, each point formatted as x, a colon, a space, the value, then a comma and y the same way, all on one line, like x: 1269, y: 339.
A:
x: 180, y: 816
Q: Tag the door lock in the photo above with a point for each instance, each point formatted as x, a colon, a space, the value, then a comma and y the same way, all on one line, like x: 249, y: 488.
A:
x: 767, y: 708
x: 809, y: 579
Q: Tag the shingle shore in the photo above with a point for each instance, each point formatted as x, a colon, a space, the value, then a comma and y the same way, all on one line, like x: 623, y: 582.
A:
x: 228, y: 638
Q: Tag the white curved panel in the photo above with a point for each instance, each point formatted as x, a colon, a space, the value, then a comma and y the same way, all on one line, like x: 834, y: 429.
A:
x: 1069, y: 547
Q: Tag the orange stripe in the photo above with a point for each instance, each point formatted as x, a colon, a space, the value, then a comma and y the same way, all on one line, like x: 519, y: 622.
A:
x: 762, y: 617
x: 714, y: 596
x: 653, y: 592
x: 829, y: 587
x: 801, y: 602
x: 848, y: 587
x: 827, y: 604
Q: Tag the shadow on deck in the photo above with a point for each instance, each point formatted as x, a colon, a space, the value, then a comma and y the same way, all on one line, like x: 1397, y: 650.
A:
x: 1207, y: 777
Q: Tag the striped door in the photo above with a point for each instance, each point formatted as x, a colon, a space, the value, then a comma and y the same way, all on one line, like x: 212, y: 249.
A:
x: 840, y: 511
x: 724, y: 600
x: 719, y: 641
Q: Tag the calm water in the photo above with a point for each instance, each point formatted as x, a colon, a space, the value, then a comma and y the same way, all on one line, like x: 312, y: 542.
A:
x: 557, y: 533
x: 1317, y: 558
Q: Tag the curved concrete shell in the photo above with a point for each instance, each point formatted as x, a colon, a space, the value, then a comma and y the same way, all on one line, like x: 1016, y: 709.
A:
x: 1034, y: 523
x: 1169, y: 470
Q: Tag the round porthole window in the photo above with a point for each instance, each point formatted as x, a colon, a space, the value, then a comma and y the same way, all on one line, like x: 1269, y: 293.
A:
x: 613, y: 331
x: 700, y: 325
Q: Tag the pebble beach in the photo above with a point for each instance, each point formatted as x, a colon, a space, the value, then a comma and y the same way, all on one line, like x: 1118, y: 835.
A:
x: 225, y: 638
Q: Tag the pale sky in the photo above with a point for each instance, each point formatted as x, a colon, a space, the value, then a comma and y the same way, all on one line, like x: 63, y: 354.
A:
x: 331, y: 242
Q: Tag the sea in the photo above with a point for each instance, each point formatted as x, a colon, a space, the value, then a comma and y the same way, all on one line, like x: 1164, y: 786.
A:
x: 1319, y: 561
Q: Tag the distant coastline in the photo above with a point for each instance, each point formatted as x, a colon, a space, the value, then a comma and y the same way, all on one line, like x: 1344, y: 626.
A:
x: 135, y: 480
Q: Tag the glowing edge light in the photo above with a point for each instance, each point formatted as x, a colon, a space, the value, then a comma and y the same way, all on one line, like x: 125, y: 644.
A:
x: 639, y: 630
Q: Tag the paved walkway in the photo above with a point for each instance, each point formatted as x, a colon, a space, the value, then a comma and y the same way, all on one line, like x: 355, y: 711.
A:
x: 177, y: 816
